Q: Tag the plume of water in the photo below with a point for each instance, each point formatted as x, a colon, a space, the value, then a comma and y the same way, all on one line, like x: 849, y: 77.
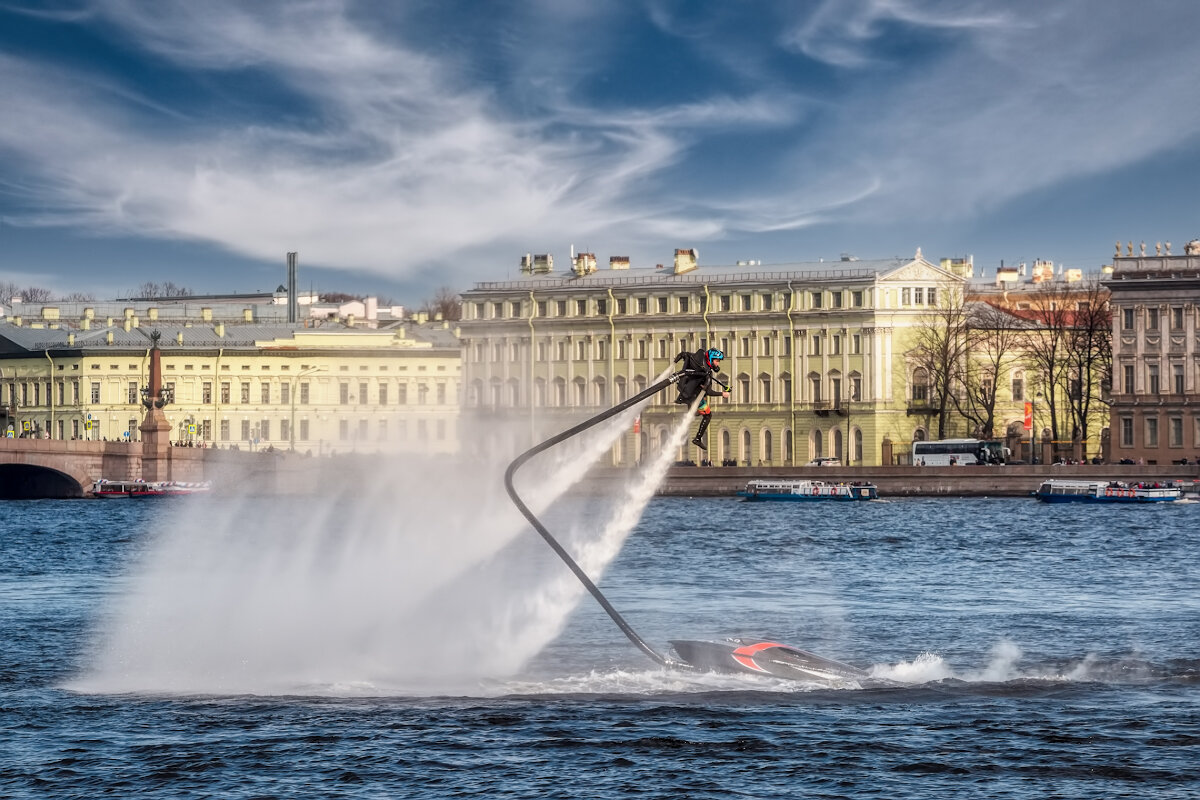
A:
x: 341, y: 592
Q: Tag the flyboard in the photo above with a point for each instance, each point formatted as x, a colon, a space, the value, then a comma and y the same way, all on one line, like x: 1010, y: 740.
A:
x: 731, y: 655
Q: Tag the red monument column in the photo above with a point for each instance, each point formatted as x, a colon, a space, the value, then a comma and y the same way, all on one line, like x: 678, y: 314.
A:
x: 155, y: 429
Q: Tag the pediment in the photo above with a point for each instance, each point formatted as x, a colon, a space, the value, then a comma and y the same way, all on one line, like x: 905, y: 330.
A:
x: 919, y: 270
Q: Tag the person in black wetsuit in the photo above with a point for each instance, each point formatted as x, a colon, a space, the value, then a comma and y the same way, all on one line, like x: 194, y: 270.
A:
x: 700, y: 369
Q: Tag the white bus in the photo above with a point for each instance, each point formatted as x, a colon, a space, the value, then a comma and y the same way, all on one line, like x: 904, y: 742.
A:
x: 958, y: 452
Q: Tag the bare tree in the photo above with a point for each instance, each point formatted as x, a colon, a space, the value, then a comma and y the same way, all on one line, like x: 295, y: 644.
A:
x: 445, y: 302
x: 1047, y: 346
x: 151, y: 290
x: 1089, y: 353
x: 994, y: 339
x: 941, y: 343
x: 79, y: 297
x: 35, y: 294
x: 8, y: 290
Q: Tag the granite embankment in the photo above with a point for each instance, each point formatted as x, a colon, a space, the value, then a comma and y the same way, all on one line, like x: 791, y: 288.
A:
x: 973, y: 481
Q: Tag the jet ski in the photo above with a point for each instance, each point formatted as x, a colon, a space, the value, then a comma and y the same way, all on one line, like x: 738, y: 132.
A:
x: 770, y: 658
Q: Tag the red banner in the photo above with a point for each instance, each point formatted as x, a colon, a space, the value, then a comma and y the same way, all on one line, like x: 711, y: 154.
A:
x: 1028, y: 416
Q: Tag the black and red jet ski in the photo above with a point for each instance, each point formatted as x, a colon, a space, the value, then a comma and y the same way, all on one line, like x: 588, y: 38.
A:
x: 769, y: 658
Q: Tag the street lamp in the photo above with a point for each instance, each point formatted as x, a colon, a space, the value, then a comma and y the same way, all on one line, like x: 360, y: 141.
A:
x: 1033, y: 459
x: 292, y: 427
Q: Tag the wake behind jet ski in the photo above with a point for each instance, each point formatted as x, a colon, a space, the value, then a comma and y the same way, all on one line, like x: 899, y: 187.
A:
x: 734, y: 655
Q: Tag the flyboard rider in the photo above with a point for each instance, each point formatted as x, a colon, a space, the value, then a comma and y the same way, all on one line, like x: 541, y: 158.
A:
x: 699, y: 375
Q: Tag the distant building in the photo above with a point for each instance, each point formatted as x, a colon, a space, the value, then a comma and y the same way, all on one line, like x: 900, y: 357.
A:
x: 815, y: 352
x: 1156, y: 360
x: 329, y: 389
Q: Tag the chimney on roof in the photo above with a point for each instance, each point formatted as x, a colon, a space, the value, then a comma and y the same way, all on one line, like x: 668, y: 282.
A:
x: 618, y: 262
x: 293, y: 301
x: 583, y: 264
x: 127, y: 325
x: 219, y: 329
x: 179, y: 337
x: 685, y: 260
x: 206, y: 314
x: 108, y: 337
x: 70, y: 340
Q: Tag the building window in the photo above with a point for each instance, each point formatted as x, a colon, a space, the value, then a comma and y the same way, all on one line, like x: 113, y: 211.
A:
x: 662, y: 305
x: 1128, y: 370
x: 206, y: 392
x: 362, y: 394
x: 747, y: 302
x: 133, y: 393
x: 620, y: 348
x: 815, y: 345
x: 920, y: 385
x: 683, y: 305
x: 1175, y: 433
x: 1177, y: 377
x: 303, y: 430
x: 816, y: 299
x: 423, y: 395
x: 245, y: 394
x: 581, y: 350
x: 580, y: 308
x: 1177, y: 318
x: 602, y: 307
x: 766, y: 345
x: 516, y: 308
x: 786, y: 345
x: 344, y: 394
x: 560, y: 308
x: 1152, y: 319
x: 402, y: 394
x: 856, y: 344
x: 1127, y: 319
x: 285, y: 429
x: 816, y: 388
x: 225, y: 392
x: 856, y: 388
x: 304, y: 393
x: 1018, y: 388
x: 725, y: 302
x: 225, y: 430
x: 642, y: 306
x: 95, y: 392
x: 662, y: 348
x: 835, y: 299
x: 906, y: 296
x: 541, y: 308
x: 919, y: 296
x: 441, y: 394
x: 744, y: 389
x: 383, y: 394
x: 764, y: 389
x: 265, y: 395
x: 1151, y: 432
x: 785, y: 384
x: 931, y: 296
x: 1152, y: 378
x: 745, y: 347
x: 622, y: 305
x: 285, y: 393
x: 246, y: 430
x: 856, y: 298
x: 767, y: 302
x: 835, y: 345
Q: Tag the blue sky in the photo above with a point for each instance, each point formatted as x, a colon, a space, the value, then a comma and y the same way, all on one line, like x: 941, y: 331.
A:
x: 406, y: 145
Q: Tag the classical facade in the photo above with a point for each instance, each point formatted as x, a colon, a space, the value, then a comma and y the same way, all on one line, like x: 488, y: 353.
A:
x: 815, y: 352
x: 330, y: 389
x: 1155, y: 414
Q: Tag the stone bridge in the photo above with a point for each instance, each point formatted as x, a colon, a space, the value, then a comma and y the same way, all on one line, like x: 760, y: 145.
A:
x: 33, y: 468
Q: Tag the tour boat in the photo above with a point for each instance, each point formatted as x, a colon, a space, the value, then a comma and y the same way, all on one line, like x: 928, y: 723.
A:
x: 808, y: 490
x: 108, y: 489
x: 1082, y: 491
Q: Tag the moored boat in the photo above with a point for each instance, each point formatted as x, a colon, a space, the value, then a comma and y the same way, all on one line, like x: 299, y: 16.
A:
x: 1057, y: 490
x: 108, y: 489
x: 808, y: 490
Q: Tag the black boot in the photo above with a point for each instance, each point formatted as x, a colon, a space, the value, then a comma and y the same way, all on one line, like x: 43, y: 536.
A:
x: 699, y: 440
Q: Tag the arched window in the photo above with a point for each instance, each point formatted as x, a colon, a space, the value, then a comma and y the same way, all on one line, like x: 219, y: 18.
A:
x: 539, y: 392
x: 768, y: 450
x: 496, y: 390
x: 814, y: 381
x: 919, y: 435
x: 723, y: 453
x: 815, y: 444
x: 601, y: 392
x: 560, y: 392
x: 837, y: 443
x: 764, y: 388
x: 789, y: 455
x: 746, y: 456
x: 514, y: 392
x: 621, y: 389
x: 857, y: 446
x: 580, y: 392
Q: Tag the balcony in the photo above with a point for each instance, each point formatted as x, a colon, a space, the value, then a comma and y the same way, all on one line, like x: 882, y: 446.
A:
x: 920, y: 407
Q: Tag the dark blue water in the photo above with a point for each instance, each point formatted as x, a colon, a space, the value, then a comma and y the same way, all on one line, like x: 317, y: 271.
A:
x: 1050, y: 651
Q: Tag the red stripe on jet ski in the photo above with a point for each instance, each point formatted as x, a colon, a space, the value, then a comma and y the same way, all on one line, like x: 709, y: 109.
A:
x: 745, y: 655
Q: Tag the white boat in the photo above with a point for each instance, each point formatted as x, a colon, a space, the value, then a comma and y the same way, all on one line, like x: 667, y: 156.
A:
x: 808, y: 490
x: 1056, y: 490
x: 109, y: 489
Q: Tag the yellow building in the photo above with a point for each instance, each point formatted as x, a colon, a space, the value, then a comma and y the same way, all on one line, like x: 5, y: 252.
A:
x: 815, y: 353
x: 333, y: 389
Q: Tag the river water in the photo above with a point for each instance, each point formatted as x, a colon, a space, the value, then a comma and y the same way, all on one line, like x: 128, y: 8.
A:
x: 1045, y: 651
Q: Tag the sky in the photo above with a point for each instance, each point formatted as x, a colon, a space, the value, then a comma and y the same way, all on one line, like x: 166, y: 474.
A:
x: 403, y: 146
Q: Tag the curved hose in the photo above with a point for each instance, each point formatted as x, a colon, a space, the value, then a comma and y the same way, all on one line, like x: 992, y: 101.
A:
x: 629, y: 632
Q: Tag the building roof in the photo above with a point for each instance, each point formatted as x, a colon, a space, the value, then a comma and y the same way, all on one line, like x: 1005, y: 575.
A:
x: 813, y: 271
x: 25, y: 339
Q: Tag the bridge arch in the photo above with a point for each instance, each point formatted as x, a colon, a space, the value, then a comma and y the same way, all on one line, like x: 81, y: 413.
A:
x: 35, y: 482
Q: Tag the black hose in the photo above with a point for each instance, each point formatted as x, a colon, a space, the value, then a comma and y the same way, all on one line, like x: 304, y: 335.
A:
x: 638, y: 641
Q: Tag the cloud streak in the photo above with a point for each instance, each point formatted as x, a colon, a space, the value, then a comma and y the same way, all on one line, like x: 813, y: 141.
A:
x: 315, y: 126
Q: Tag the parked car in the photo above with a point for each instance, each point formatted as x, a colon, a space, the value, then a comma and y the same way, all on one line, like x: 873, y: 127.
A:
x: 824, y: 462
